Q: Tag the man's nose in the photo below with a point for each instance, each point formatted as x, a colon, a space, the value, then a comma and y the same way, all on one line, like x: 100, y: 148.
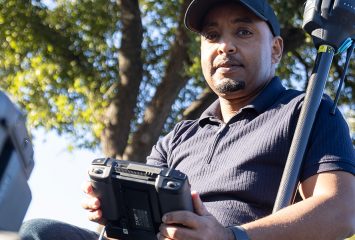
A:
x: 226, y: 46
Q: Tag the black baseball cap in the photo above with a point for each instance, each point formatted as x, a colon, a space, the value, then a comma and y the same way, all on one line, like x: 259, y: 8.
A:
x: 198, y: 9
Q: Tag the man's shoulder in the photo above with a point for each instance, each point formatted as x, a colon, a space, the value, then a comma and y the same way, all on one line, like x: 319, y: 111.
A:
x: 297, y: 95
x: 292, y: 95
x: 288, y: 100
x: 293, y: 100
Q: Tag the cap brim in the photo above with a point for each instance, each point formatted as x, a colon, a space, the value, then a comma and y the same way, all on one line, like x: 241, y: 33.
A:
x: 198, y: 9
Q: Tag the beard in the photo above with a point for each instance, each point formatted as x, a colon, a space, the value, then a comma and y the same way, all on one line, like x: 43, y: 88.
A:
x: 230, y: 85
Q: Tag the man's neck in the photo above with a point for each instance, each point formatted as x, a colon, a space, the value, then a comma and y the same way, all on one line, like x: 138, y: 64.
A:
x: 229, y: 108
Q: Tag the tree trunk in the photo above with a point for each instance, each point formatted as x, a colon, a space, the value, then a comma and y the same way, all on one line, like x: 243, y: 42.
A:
x: 121, y: 111
x: 159, y: 108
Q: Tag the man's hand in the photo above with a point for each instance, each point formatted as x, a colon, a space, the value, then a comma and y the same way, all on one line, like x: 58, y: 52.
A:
x: 91, y: 203
x: 185, y: 225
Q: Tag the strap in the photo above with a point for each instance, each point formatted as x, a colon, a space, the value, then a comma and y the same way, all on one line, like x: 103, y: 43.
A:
x: 239, y: 233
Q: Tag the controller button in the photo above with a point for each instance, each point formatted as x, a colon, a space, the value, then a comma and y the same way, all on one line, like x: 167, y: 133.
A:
x: 172, y: 184
x: 98, y: 171
x: 99, y: 161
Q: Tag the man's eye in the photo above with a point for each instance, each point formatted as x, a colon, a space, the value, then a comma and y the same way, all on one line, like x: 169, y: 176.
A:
x: 244, y: 32
x: 210, y: 36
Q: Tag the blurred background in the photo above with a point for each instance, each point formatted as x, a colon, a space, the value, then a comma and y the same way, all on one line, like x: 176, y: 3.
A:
x: 108, y: 78
x: 56, y: 180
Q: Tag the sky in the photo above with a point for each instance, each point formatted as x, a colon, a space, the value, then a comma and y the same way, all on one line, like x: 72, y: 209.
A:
x: 56, y: 180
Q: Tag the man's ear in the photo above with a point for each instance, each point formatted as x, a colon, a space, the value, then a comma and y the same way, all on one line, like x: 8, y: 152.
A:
x: 277, y: 49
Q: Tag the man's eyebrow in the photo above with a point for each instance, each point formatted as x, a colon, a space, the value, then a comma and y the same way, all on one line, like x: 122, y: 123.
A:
x: 236, y: 20
x: 243, y: 20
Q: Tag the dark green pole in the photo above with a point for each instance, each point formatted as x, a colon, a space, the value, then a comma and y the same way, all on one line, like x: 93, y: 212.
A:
x: 313, y: 96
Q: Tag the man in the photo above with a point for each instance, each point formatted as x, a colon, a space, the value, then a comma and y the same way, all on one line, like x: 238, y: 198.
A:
x: 234, y: 154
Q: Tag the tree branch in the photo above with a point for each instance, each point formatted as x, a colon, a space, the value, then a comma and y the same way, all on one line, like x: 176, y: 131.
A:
x: 44, y: 33
x: 206, y: 98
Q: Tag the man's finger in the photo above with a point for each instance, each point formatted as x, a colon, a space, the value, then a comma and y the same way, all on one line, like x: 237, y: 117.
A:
x: 87, y: 187
x: 95, y: 216
x: 185, y: 218
x: 161, y: 237
x: 91, y: 203
x: 175, y: 232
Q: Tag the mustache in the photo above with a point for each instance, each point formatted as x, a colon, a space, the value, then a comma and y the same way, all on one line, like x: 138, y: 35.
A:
x: 229, y: 61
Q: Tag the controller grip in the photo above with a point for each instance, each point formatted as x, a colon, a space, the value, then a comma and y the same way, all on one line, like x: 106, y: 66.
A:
x: 101, y: 181
x: 175, y: 195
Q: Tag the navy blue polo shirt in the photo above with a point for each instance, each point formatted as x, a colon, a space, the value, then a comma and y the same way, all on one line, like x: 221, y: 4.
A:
x: 237, y: 166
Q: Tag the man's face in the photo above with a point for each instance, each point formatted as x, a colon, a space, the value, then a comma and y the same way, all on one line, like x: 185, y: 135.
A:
x: 238, y: 52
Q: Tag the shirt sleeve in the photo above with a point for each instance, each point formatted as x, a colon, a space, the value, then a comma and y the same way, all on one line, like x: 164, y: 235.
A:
x: 329, y: 147
x: 159, y: 153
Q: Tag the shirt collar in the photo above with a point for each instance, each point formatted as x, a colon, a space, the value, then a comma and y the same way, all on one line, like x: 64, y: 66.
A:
x: 211, y: 115
x: 266, y: 98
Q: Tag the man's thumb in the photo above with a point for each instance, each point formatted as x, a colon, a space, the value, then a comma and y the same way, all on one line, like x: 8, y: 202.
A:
x: 199, y: 208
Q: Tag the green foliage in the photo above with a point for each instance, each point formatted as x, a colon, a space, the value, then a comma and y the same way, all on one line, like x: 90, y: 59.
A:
x: 61, y: 62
